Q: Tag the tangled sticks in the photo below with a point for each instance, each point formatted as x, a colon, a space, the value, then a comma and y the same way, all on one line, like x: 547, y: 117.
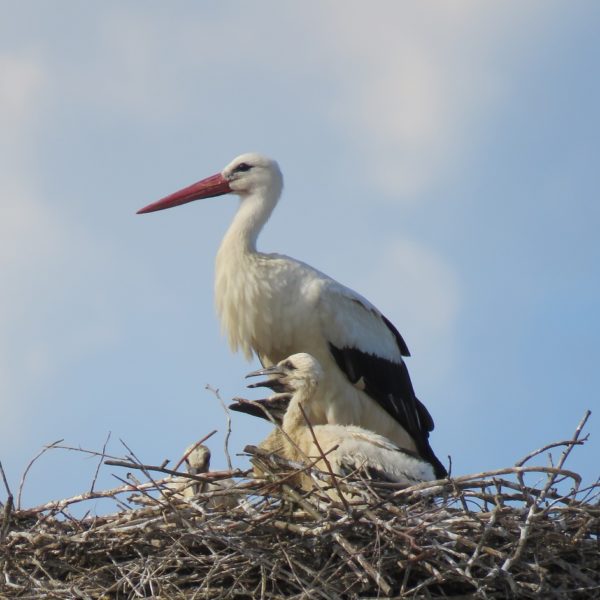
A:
x: 488, y: 535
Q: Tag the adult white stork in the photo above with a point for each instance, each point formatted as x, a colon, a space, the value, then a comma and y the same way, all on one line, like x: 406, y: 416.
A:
x: 275, y: 306
x: 348, y: 448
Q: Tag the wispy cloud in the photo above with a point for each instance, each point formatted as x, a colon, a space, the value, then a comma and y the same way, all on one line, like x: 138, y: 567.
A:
x: 408, y: 84
x: 44, y: 258
x: 20, y: 85
x: 417, y: 80
x: 20, y: 229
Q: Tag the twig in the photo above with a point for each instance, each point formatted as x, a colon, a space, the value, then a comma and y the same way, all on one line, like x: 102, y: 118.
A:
x: 22, y: 482
x: 147, y: 473
x: 325, y: 459
x: 84, y: 450
x: 8, y: 507
x: 58, y: 505
x: 215, y: 391
x: 201, y: 477
x: 569, y: 448
x: 437, y: 486
x: 102, y: 457
x: 533, y: 509
x: 535, y: 453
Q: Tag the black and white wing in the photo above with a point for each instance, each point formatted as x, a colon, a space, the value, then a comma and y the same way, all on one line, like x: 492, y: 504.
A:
x: 369, y: 349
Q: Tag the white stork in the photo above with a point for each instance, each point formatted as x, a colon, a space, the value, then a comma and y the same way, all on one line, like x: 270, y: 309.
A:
x: 348, y: 448
x: 275, y: 306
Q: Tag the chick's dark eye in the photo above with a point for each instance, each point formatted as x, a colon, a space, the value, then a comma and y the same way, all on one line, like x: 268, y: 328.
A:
x: 288, y: 365
x: 242, y: 167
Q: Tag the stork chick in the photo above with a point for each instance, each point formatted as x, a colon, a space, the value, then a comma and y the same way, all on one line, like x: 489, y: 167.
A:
x: 197, y: 461
x: 347, y: 448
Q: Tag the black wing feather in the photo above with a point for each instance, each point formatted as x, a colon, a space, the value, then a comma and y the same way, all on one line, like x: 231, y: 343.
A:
x: 389, y: 384
x: 404, y: 351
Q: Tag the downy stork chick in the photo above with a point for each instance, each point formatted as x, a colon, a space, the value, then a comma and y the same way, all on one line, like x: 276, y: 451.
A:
x: 197, y: 462
x: 274, y: 306
x: 348, y: 448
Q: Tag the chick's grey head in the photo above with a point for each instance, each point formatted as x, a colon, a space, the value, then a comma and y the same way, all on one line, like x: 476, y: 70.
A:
x: 197, y: 459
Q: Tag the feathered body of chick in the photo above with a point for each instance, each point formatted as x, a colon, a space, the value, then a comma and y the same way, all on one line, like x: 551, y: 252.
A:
x: 347, y: 449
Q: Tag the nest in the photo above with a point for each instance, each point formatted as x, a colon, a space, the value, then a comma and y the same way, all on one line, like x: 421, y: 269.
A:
x: 488, y: 535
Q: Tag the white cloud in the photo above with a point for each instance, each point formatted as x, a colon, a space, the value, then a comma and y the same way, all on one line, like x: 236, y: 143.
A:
x: 20, y: 85
x: 155, y: 65
x: 410, y: 83
x: 38, y: 265
x: 418, y: 80
x: 132, y: 73
x: 48, y: 315
x: 20, y: 230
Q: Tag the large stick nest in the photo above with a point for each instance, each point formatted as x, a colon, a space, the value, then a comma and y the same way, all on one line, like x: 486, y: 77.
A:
x: 488, y: 535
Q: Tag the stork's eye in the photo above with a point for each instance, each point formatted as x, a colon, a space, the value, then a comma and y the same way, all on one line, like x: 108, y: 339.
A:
x: 289, y: 365
x: 242, y: 167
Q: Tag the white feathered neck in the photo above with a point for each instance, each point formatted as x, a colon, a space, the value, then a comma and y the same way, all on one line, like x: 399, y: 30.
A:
x: 241, y: 286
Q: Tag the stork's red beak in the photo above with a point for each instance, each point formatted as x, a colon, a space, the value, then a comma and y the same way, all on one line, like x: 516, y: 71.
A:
x: 215, y: 185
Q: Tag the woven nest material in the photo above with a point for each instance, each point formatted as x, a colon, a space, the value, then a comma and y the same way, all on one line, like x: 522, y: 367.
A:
x: 488, y: 535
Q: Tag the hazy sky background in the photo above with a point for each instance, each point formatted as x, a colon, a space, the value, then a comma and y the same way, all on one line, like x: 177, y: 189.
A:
x: 441, y: 158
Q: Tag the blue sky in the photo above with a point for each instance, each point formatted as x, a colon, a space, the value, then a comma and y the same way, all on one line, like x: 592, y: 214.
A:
x: 441, y: 158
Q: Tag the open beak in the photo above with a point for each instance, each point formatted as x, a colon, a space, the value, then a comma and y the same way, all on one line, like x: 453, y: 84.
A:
x: 215, y: 185
x: 274, y: 370
x: 253, y: 408
x: 275, y: 406
x: 272, y: 382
